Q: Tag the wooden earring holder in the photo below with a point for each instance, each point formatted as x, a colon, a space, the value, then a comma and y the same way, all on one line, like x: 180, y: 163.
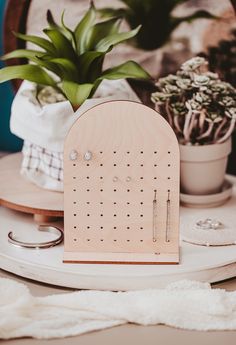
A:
x: 121, y: 187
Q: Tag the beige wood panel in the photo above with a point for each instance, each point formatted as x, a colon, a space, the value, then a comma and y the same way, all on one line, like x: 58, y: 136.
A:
x: 19, y: 194
x: 110, y: 203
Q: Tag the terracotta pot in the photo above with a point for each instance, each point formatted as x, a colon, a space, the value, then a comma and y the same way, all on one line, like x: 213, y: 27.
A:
x: 202, y: 168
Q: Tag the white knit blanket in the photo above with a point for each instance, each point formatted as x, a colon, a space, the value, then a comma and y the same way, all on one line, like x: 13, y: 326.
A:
x: 184, y: 304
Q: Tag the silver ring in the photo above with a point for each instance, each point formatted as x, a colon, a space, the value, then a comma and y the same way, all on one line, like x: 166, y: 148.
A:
x: 42, y: 245
x: 209, y: 224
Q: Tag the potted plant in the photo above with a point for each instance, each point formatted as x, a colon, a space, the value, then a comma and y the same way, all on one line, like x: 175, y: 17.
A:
x: 201, y: 109
x: 66, y: 74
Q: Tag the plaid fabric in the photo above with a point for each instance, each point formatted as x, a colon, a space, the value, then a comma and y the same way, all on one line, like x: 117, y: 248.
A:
x: 41, y: 160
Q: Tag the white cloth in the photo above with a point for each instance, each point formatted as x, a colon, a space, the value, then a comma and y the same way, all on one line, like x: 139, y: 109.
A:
x: 184, y: 304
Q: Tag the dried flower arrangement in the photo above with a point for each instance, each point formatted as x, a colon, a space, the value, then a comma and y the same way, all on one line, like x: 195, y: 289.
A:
x: 199, y: 106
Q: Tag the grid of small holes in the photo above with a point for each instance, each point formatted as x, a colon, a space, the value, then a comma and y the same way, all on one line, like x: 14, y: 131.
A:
x: 128, y: 190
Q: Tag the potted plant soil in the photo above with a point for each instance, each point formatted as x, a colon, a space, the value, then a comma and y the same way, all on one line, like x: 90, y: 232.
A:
x: 201, y: 109
x: 64, y: 78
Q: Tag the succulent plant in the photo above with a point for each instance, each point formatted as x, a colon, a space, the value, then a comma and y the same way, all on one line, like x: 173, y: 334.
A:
x: 199, y: 106
x: 71, y: 61
x: 156, y: 19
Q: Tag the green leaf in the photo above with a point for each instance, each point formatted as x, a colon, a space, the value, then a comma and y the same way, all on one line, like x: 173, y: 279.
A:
x: 23, y: 53
x: 39, y: 41
x: 82, y: 29
x: 196, y: 15
x: 129, y: 69
x: 61, y: 43
x: 100, y: 30
x: 108, y: 12
x: 88, y: 62
x: 68, y: 68
x: 76, y: 93
x: 26, y: 72
x: 115, y: 39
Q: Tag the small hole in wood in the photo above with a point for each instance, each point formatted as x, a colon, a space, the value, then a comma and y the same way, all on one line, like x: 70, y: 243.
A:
x: 74, y: 190
x: 88, y: 190
x: 141, y: 165
x: 74, y: 165
x: 168, y: 190
x: 155, y: 152
x: 141, y: 228
x: 101, y: 202
x: 115, y: 240
x: 128, y: 227
x: 141, y: 215
x: 128, y: 203
x: 128, y: 215
x: 87, y: 164
x: 114, y: 165
x: 101, y: 227
x: 88, y: 215
x: 168, y: 178
x: 74, y: 202
x: 88, y: 227
x: 141, y: 203
x: 101, y: 215
x: 101, y: 190
x: 87, y: 177
x: 168, y: 165
x: 101, y: 152
x: 128, y: 240
x: 141, y: 152
x: 75, y: 227
x: 168, y: 152
x: 101, y: 177
x: 88, y: 239
x: 128, y: 190
x: 114, y: 152
x: 114, y: 215
x: 155, y: 178
x: 101, y: 240
x: 141, y: 240
x: 128, y: 152
x: 128, y: 165
x: 101, y: 165
x: 75, y: 214
x: 155, y: 165
x: 114, y: 227
x: 74, y: 177
x: 114, y: 190
x: 75, y: 239
x: 114, y: 202
x: 87, y: 202
x: 141, y: 178
x: 141, y: 190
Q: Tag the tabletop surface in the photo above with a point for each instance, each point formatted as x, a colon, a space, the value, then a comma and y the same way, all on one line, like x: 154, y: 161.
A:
x: 134, y: 334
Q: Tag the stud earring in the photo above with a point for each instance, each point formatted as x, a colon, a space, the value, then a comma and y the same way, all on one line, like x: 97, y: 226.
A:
x: 88, y: 156
x: 73, y: 155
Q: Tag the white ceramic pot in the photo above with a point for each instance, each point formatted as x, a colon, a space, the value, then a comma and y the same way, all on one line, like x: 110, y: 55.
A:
x: 44, y: 128
x: 202, y: 168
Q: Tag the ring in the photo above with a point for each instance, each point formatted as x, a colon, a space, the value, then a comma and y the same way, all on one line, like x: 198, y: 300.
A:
x: 209, y: 223
x: 42, y: 245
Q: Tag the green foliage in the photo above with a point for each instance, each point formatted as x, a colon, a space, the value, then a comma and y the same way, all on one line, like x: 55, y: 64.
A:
x: 72, y: 60
x: 155, y: 17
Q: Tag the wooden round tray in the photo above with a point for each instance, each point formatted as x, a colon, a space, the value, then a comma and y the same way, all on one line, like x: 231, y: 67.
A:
x: 19, y: 194
x: 207, y: 264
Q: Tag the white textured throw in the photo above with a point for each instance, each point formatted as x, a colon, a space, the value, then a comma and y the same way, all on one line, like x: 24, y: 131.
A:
x: 184, y: 304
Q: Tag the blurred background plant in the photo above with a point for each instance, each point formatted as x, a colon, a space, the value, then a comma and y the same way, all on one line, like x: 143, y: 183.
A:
x: 71, y: 61
x: 200, y: 107
x: 156, y: 18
